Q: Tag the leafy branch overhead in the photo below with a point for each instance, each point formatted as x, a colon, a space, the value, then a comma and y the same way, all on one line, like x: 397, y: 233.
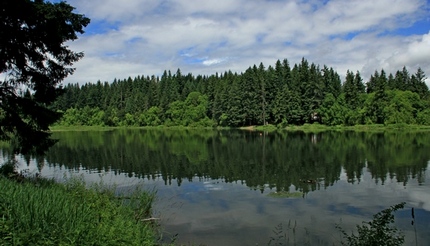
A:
x: 33, y: 62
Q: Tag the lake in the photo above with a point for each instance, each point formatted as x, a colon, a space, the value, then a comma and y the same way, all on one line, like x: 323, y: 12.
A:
x: 233, y: 187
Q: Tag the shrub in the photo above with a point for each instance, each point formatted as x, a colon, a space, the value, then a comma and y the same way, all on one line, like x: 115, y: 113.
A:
x: 377, y: 232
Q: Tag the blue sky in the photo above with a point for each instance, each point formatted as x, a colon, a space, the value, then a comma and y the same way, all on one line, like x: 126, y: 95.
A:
x: 146, y: 37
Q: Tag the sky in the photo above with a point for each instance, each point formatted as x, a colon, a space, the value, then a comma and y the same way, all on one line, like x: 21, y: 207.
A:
x: 203, y: 37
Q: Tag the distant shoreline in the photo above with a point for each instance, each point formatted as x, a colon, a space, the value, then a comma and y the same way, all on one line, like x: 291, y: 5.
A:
x: 305, y: 127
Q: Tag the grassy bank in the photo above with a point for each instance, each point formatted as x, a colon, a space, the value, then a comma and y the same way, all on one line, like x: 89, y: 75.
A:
x: 110, y: 128
x: 42, y: 212
x: 364, y: 128
x: 306, y: 128
x: 321, y: 128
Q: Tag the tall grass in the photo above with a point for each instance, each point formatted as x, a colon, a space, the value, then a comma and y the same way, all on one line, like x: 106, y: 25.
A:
x: 42, y: 212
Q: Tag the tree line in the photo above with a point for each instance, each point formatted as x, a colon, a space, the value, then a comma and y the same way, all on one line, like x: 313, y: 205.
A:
x: 280, y: 95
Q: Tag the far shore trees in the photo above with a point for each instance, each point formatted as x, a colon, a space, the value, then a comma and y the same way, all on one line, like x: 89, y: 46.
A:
x: 279, y: 95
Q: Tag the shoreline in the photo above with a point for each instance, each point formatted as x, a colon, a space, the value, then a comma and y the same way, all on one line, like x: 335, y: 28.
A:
x: 269, y: 128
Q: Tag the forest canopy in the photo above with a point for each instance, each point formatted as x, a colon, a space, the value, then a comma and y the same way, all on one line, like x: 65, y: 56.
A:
x: 279, y: 95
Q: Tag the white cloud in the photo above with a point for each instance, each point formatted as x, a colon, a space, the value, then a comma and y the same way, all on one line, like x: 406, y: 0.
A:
x: 106, y: 69
x: 415, y: 53
x: 211, y: 62
x: 149, y: 36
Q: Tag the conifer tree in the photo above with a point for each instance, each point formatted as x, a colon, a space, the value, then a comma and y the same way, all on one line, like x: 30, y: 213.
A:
x: 33, y: 56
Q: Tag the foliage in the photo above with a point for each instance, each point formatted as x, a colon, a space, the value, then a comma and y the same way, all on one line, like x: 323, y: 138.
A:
x: 34, y: 60
x: 402, y: 107
x: 191, y: 112
x: 8, y: 168
x: 83, y: 117
x: 377, y: 232
x: 423, y: 117
x: 151, y: 117
x: 41, y: 212
x: 332, y: 111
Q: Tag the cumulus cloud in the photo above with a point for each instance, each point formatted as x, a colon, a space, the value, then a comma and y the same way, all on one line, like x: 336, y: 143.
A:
x: 415, y: 53
x: 149, y: 36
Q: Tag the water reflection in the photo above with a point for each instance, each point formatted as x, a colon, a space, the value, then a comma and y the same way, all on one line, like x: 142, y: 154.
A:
x: 279, y: 160
x: 214, y: 186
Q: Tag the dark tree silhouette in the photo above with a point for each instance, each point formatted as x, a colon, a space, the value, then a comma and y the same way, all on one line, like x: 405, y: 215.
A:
x: 33, y: 62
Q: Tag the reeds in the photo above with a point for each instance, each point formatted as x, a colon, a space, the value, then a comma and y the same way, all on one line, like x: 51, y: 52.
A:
x: 42, y: 212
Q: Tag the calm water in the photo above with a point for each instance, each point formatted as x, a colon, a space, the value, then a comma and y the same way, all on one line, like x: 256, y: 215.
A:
x: 253, y: 188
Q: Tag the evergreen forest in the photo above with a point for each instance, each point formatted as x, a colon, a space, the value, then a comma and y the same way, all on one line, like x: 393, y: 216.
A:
x: 281, y: 95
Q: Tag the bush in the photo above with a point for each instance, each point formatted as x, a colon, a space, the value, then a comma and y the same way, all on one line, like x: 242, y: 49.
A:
x: 377, y: 232
x: 8, y: 168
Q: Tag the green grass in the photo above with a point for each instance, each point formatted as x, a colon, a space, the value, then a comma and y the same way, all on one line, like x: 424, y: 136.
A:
x: 365, y: 128
x: 306, y: 128
x: 267, y: 128
x: 42, y: 212
x: 58, y: 128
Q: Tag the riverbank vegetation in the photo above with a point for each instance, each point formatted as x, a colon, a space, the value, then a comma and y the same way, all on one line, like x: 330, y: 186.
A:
x: 37, y: 211
x: 380, y: 231
x: 279, y: 96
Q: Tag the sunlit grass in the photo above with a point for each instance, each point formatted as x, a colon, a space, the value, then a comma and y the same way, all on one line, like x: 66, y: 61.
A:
x: 59, y: 128
x: 305, y: 127
x: 365, y: 128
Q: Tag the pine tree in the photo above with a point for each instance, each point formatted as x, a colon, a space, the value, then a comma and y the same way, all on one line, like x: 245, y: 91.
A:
x: 418, y: 84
